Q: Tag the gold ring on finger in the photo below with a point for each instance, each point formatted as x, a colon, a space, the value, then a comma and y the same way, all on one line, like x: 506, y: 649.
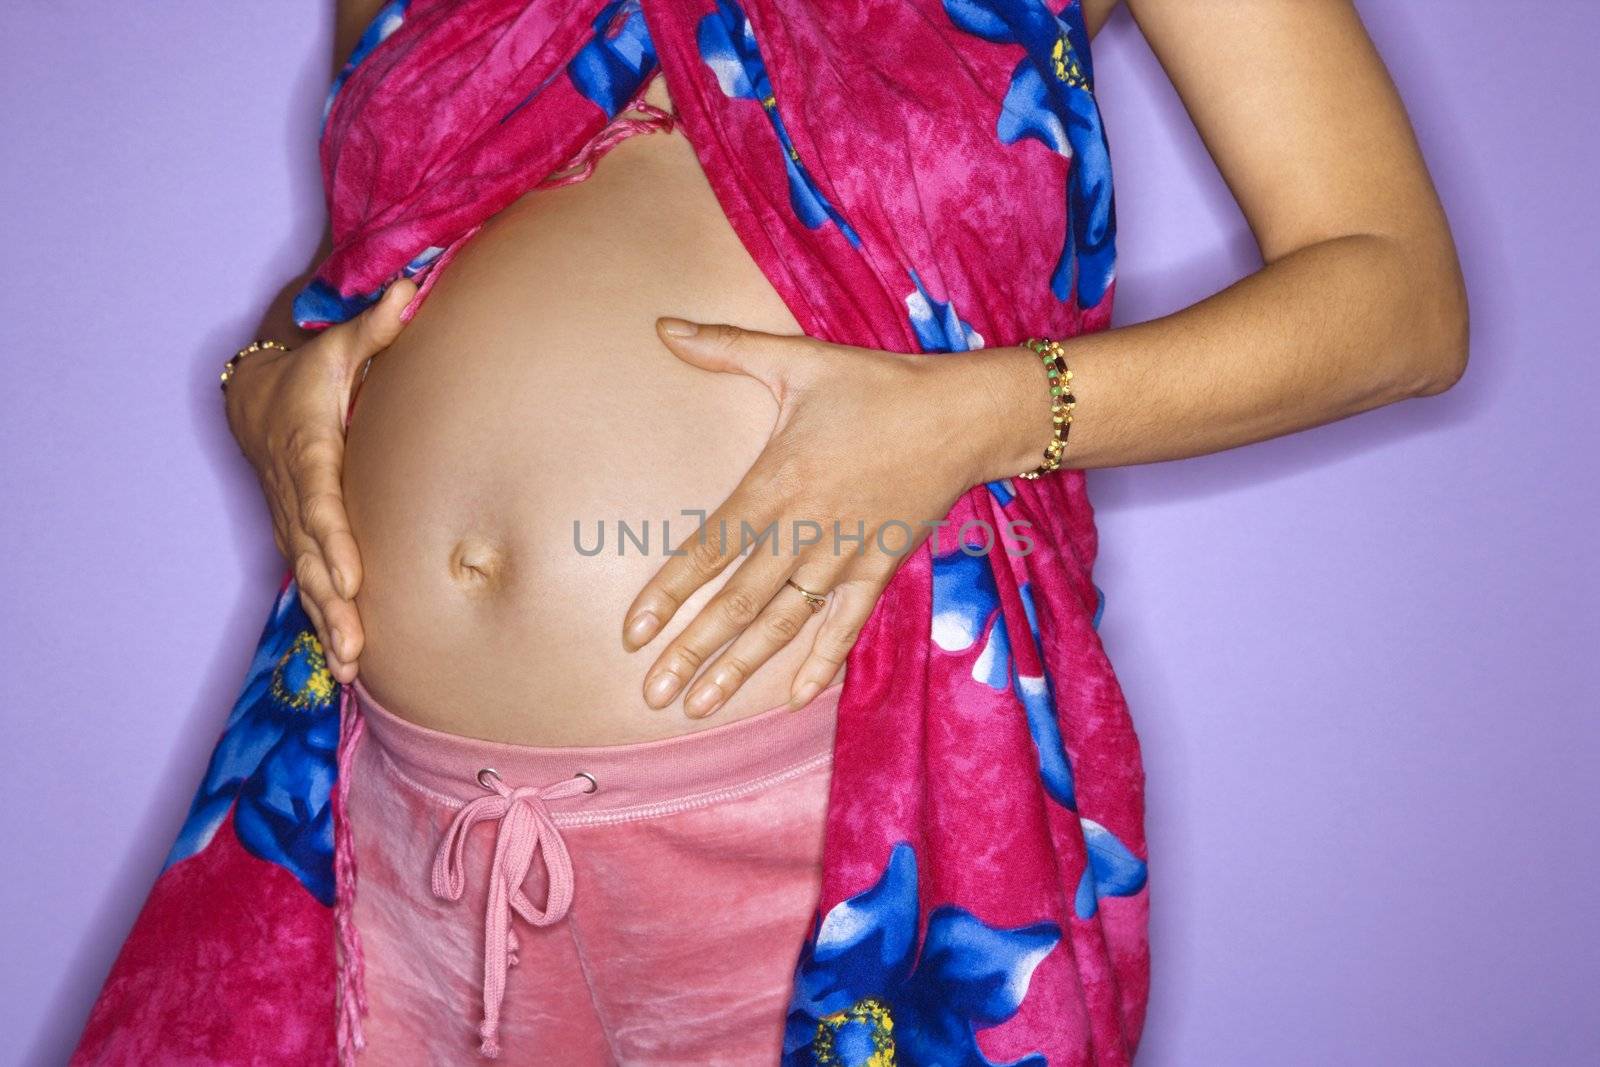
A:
x: 816, y: 600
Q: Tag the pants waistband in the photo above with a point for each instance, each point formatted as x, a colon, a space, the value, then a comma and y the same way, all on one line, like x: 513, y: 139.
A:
x: 637, y: 780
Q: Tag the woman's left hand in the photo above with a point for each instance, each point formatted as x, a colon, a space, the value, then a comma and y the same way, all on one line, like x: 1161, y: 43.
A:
x: 881, y: 444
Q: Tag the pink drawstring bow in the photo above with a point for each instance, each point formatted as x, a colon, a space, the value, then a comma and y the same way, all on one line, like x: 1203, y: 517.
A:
x: 525, y: 827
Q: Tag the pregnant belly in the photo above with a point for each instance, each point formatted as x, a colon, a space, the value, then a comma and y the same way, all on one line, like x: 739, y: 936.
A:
x: 525, y: 414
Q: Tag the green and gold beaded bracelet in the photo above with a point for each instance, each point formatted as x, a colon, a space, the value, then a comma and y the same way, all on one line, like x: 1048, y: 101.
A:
x: 1061, y: 402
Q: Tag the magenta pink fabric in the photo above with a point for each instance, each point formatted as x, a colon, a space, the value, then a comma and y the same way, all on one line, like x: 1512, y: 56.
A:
x: 614, y: 960
x: 912, y: 175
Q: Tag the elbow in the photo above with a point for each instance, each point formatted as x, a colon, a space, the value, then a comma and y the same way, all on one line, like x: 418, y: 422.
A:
x: 1447, y: 347
x: 1443, y: 328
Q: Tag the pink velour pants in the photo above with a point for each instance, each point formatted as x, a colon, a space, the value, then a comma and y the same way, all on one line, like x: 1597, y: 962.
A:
x: 639, y: 904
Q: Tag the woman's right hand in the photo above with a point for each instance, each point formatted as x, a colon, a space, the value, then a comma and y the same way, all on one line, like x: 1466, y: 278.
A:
x: 287, y: 411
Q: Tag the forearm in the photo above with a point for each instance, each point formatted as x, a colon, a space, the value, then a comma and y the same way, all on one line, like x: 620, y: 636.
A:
x: 1333, y: 329
x: 278, y: 321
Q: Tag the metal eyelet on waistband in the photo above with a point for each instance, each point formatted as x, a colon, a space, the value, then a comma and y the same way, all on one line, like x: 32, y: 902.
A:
x: 492, y: 773
x: 594, y: 783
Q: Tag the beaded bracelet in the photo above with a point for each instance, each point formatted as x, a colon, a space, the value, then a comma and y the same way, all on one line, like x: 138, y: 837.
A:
x: 249, y: 349
x: 1061, y: 402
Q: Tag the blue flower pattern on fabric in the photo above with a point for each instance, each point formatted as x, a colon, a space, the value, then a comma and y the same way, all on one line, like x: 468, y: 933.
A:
x: 866, y: 996
x: 607, y: 70
x: 388, y: 19
x: 1113, y: 870
x: 319, y: 302
x: 610, y: 68
x: 1039, y: 702
x: 938, y: 327
x: 966, y: 608
x: 1051, y: 99
x: 276, y: 763
x: 728, y: 46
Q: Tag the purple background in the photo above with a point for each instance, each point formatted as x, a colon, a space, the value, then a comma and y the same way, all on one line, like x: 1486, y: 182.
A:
x: 1361, y: 658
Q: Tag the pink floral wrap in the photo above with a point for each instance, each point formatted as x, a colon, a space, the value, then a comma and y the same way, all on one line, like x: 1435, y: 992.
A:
x: 911, y: 175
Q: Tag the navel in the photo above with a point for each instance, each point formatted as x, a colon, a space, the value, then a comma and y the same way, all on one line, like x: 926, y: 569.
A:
x: 480, y: 564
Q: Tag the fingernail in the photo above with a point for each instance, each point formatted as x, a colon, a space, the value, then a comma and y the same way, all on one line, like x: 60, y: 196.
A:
x: 642, y: 627
x: 661, y: 688
x: 804, y: 695
x: 341, y: 644
x: 678, y: 327
x: 704, y: 701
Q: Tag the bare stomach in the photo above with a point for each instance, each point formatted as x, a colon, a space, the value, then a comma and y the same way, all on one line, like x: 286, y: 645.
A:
x: 525, y: 413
